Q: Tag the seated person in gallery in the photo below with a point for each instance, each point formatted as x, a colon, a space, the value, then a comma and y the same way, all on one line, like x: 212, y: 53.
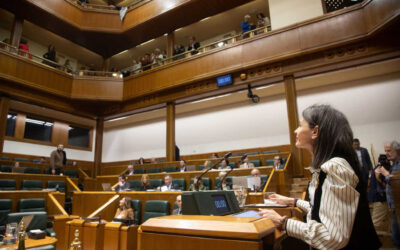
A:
x: 130, y: 170
x: 246, y: 163
x: 168, y: 185
x: 201, y: 185
x: 125, y: 210
x: 182, y: 166
x: 179, y: 204
x: 122, y: 184
x: 141, y: 161
x: 145, y: 183
x: 214, y: 156
x: 54, y: 171
x: 207, y: 164
x: 256, y: 173
x: 224, y: 164
x: 224, y: 185
x: 278, y: 163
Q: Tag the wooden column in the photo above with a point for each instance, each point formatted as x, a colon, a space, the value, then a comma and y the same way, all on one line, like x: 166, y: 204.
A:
x: 170, y: 44
x: 170, y: 131
x: 16, y: 32
x: 293, y: 118
x: 4, y: 107
x: 105, y: 65
x: 98, y: 149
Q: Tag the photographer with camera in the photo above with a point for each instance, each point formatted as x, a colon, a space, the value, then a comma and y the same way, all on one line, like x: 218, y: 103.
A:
x: 377, y: 196
x: 392, y: 151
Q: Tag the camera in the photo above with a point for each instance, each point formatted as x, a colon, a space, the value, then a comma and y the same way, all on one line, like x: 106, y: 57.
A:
x: 383, y: 162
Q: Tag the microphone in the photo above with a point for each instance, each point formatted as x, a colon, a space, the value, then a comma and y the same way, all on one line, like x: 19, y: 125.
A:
x: 242, y: 158
x: 223, y: 179
x: 226, y: 156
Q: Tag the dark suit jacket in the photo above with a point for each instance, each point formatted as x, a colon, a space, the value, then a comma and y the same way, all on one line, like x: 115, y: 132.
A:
x: 176, y: 211
x: 366, y: 164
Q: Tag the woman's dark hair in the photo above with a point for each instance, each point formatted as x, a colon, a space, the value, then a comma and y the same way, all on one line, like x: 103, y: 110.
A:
x: 123, y: 176
x: 261, y: 15
x: 127, y: 202
x: 335, y: 137
x: 141, y: 161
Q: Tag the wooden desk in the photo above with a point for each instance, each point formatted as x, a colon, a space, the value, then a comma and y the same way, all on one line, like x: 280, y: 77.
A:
x: 195, y: 232
x: 30, y: 243
x: 119, y: 237
x: 90, y: 234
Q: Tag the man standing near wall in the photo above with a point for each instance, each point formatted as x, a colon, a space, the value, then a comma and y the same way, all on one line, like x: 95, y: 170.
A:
x: 57, y: 158
x: 364, y: 159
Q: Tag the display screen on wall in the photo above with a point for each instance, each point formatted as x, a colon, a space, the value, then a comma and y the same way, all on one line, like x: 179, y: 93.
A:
x: 36, y: 129
x: 78, y: 136
x: 224, y: 80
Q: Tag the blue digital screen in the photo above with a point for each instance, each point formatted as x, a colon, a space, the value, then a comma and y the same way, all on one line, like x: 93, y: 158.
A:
x: 220, y: 204
x: 224, y: 80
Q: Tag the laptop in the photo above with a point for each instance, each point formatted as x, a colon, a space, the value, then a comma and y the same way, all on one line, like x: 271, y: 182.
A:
x: 18, y: 170
x: 106, y: 186
x: 191, y: 168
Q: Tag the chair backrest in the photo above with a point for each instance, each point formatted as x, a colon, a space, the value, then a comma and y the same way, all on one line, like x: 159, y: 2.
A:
x: 256, y: 163
x: 32, y: 171
x: 5, y: 209
x: 39, y: 220
x: 216, y: 183
x: 137, y: 210
x: 5, y: 158
x: 8, y: 184
x: 170, y: 169
x: 155, y: 208
x: 31, y: 205
x: 201, y: 167
x: 181, y: 183
x: 271, y: 151
x: 206, y: 182
x: 135, y: 184
x: 32, y: 185
x: 5, y: 168
x: 139, y: 171
x: 269, y: 162
x: 21, y: 159
x: 155, y: 183
x: 53, y: 184
x: 153, y: 170
x: 233, y: 164
x: 252, y: 153
x: 71, y: 173
x: 36, y: 161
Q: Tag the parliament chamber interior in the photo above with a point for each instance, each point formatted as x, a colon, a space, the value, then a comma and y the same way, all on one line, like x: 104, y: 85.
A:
x: 168, y: 124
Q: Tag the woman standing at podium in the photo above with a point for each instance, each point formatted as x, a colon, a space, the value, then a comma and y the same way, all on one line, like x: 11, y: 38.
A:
x: 338, y: 215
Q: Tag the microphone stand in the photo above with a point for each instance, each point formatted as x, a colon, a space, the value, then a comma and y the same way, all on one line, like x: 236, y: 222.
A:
x: 206, y: 171
x: 223, y: 179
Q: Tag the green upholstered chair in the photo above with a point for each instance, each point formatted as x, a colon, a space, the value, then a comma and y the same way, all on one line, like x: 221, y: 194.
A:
x: 36, y: 161
x: 135, y: 184
x: 137, y: 210
x: 32, y: 185
x: 53, y: 184
x: 155, y: 183
x: 201, y: 167
x: 269, y: 162
x: 139, y: 171
x: 283, y: 161
x: 252, y: 153
x: 256, y: 163
x: 5, y: 209
x: 5, y: 158
x: 31, y: 205
x: 216, y: 182
x: 5, y: 168
x: 181, y: 183
x: 155, y: 208
x: 170, y: 169
x: 71, y: 173
x: 8, y: 184
x: 271, y: 152
x: 21, y: 159
x: 153, y: 170
x: 32, y: 171
x: 233, y: 164
x: 39, y: 221
x: 206, y: 182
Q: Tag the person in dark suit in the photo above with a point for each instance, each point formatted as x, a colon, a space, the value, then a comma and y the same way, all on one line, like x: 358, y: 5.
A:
x: 364, y: 159
x: 168, y: 185
x: 182, y: 166
x: 122, y: 183
x: 256, y: 173
x: 179, y: 203
x: 130, y: 170
x: 193, y: 45
x: 177, y: 153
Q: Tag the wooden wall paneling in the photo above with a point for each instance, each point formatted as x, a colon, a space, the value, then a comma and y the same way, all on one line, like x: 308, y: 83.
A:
x: 4, y: 108
x: 53, y: 206
x: 16, y: 31
x: 20, y: 126
x: 97, y: 88
x: 84, y: 207
x: 15, y: 196
x: 60, y: 133
x: 293, y: 119
x: 170, y: 144
x: 170, y: 44
x: 128, y: 237
x: 112, y: 236
x: 59, y: 226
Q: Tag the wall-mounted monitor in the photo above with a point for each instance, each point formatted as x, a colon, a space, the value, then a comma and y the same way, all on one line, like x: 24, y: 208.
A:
x: 224, y: 80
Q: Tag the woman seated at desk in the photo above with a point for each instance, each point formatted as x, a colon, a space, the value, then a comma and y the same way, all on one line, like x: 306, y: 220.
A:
x: 195, y: 180
x: 125, y: 211
x: 145, y: 183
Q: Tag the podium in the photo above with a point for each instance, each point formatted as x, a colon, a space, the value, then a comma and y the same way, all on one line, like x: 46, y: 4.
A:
x: 197, y: 232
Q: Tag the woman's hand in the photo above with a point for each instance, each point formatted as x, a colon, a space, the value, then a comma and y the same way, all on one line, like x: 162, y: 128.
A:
x: 280, y: 199
x: 278, y: 220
